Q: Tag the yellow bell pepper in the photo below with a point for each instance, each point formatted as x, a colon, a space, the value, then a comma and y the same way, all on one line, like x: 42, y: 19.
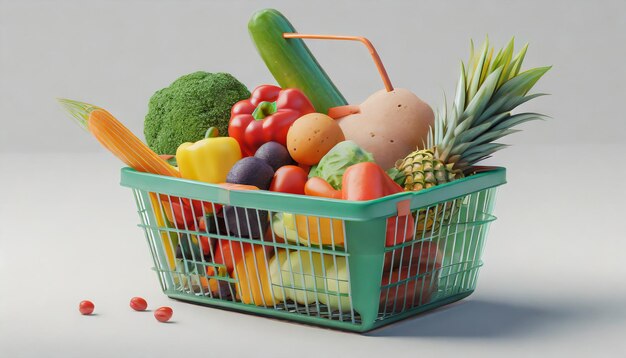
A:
x: 320, y: 230
x: 251, y: 273
x: 208, y: 160
x: 169, y: 239
x: 313, y: 230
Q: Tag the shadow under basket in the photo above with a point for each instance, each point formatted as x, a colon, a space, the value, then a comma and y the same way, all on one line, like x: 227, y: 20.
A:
x: 347, y: 265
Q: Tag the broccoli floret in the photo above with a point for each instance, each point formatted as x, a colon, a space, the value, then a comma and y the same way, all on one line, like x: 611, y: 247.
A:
x: 185, y: 110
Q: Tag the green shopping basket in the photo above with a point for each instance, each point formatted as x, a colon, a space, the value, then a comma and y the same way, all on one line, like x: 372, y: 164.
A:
x: 341, y: 264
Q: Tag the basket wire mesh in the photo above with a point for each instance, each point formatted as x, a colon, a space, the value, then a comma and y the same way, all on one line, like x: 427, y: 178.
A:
x: 292, y: 264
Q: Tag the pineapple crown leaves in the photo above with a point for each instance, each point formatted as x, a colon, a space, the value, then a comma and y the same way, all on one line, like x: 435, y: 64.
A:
x: 79, y: 111
x: 489, y: 88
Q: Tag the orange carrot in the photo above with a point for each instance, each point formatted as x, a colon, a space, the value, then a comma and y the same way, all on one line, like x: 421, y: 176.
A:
x: 116, y: 138
x: 342, y: 111
x: 319, y: 187
x: 120, y: 141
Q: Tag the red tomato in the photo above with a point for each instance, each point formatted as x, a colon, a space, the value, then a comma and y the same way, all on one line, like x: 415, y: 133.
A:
x: 163, y: 314
x: 289, y: 179
x: 86, y: 307
x: 138, y: 304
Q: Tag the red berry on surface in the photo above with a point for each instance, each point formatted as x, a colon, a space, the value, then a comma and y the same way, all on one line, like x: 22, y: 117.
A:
x: 163, y: 314
x: 86, y: 307
x: 138, y: 304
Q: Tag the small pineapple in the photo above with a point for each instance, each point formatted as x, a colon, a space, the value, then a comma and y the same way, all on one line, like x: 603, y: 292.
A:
x: 487, y: 91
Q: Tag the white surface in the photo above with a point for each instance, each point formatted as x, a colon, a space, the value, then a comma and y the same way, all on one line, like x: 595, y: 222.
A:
x: 553, y: 283
x: 116, y: 54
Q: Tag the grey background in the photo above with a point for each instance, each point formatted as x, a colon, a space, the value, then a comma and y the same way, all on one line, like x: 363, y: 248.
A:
x: 116, y: 54
x: 554, y: 280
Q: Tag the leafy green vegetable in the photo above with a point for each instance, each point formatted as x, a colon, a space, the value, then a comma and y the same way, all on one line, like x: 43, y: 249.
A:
x: 337, y: 160
x: 185, y: 110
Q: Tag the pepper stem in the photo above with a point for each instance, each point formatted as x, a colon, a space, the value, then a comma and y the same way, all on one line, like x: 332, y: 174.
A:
x: 263, y: 110
x: 363, y: 40
x: 212, y: 132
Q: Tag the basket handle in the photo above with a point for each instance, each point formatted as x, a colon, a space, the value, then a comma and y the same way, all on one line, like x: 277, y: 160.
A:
x: 363, y: 40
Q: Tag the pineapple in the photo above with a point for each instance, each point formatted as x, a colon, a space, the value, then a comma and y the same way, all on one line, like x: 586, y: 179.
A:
x: 489, y: 88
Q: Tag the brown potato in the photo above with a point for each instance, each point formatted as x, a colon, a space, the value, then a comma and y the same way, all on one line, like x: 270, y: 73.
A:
x: 389, y: 125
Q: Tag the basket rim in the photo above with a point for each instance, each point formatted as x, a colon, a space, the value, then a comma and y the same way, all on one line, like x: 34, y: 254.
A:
x: 489, y: 177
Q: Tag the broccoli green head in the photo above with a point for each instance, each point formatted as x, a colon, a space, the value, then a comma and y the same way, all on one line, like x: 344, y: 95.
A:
x: 185, y: 110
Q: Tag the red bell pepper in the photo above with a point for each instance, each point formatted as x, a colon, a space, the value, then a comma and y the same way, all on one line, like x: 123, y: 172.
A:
x: 182, y: 212
x: 266, y: 116
x: 367, y: 181
x: 228, y: 253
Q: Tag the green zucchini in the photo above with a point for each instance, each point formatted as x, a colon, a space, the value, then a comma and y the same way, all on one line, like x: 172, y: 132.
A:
x: 290, y: 61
